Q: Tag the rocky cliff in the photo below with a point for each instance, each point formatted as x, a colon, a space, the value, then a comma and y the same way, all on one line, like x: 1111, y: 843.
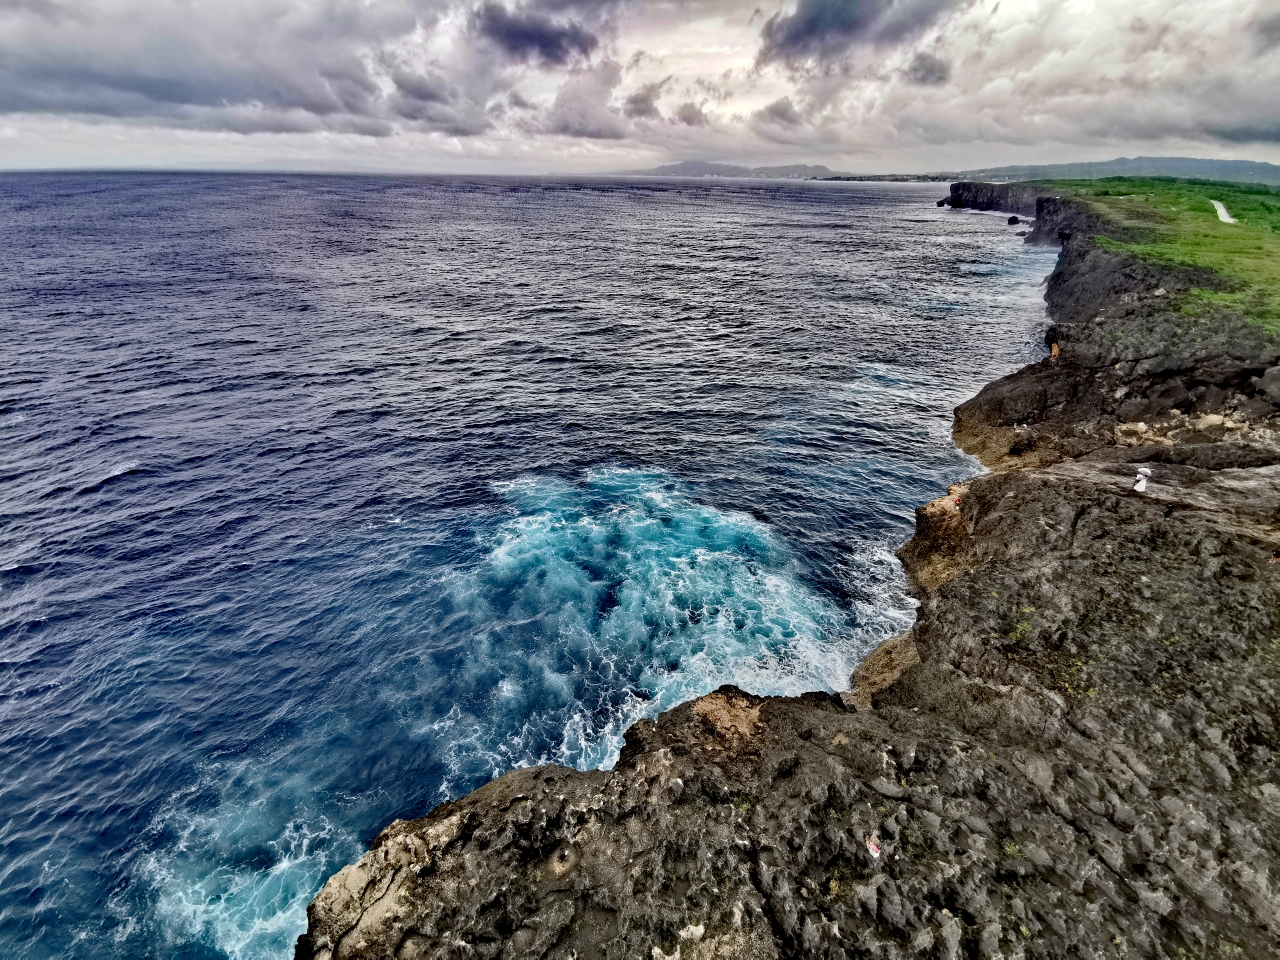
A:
x: 1071, y: 754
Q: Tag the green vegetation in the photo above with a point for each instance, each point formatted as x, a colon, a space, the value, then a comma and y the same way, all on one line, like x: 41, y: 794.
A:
x: 1174, y: 222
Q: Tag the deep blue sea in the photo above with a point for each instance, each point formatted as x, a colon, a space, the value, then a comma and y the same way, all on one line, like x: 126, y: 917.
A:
x: 323, y: 500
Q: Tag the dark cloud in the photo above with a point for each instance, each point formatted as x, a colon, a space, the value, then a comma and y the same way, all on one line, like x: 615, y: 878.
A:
x: 124, y: 90
x: 341, y: 66
x: 1267, y: 30
x: 453, y: 67
x: 532, y: 36
x: 456, y: 120
x: 926, y: 69
x: 827, y: 29
x: 643, y: 104
x: 425, y: 88
x: 40, y: 8
x: 1266, y: 131
x: 691, y: 115
x: 784, y: 122
x: 781, y: 113
x: 342, y: 97
x: 428, y: 100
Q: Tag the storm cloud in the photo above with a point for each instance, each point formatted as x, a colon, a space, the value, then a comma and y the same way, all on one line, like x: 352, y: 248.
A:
x: 691, y: 115
x: 614, y: 84
x: 782, y: 113
x: 1268, y: 32
x: 927, y: 69
x: 643, y: 104
x: 243, y: 67
x: 529, y: 35
x: 827, y: 29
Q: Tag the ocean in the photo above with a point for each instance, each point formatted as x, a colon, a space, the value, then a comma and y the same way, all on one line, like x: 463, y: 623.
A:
x: 326, y: 499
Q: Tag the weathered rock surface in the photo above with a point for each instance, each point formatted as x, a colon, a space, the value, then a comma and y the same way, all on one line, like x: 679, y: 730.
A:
x: 1006, y: 197
x: 1129, y: 355
x: 1072, y: 754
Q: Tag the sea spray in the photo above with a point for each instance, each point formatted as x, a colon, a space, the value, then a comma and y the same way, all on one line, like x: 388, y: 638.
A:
x: 614, y: 598
x: 232, y: 873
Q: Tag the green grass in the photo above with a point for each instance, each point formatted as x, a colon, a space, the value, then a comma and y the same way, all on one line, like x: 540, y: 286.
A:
x: 1171, y: 221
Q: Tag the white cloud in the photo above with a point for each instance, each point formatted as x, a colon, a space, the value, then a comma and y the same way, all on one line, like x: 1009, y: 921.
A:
x: 605, y: 84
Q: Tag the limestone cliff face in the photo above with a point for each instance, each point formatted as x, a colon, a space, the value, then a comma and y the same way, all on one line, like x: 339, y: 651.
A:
x: 1005, y: 197
x: 1071, y: 754
x: 1129, y: 356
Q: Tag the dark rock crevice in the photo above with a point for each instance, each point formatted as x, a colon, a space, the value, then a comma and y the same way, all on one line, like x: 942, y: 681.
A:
x: 1073, y: 753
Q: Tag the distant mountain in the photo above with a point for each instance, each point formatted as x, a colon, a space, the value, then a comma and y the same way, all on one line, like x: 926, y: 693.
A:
x: 1238, y: 171
x: 701, y: 168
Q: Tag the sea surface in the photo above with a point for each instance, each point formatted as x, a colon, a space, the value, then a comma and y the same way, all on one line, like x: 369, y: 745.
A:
x: 323, y: 500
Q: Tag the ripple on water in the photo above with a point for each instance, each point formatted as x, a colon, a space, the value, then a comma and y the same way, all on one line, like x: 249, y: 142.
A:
x: 324, y: 499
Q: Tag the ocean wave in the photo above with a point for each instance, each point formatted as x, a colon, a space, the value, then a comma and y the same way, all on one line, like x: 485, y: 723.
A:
x: 237, y: 877
x: 605, y: 601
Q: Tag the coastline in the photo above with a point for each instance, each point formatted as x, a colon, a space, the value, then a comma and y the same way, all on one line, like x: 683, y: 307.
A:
x: 1072, y: 752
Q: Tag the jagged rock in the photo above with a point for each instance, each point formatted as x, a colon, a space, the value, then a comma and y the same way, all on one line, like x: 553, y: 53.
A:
x: 942, y: 546
x: 881, y: 670
x: 1269, y: 383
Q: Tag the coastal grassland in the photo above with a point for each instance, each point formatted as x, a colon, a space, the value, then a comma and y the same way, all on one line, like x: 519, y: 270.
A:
x: 1174, y: 222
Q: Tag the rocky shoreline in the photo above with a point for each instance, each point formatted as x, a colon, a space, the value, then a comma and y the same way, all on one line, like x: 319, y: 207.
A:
x: 1073, y: 753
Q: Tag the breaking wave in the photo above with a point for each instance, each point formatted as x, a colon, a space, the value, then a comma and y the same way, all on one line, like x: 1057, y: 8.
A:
x: 614, y: 599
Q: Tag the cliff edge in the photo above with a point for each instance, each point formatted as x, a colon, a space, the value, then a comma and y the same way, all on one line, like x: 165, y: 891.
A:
x: 1073, y: 753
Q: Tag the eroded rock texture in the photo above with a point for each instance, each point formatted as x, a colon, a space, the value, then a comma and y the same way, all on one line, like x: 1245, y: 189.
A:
x: 1072, y: 753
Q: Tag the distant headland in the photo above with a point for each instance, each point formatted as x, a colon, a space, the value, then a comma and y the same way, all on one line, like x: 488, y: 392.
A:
x: 1234, y: 171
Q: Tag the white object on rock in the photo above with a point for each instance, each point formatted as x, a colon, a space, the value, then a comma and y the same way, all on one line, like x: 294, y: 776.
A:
x: 692, y: 932
x: 1141, y: 485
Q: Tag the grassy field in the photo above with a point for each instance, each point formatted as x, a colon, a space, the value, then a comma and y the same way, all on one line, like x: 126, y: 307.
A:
x: 1176, y: 223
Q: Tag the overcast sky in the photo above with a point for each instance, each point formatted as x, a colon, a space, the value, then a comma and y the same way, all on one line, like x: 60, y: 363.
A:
x: 595, y: 85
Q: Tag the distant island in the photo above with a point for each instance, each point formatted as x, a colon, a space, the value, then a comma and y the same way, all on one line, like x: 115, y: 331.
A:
x: 794, y: 171
x: 1233, y: 171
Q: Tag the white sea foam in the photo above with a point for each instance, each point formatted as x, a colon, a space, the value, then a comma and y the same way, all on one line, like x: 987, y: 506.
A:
x: 239, y: 879
x: 612, y: 600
